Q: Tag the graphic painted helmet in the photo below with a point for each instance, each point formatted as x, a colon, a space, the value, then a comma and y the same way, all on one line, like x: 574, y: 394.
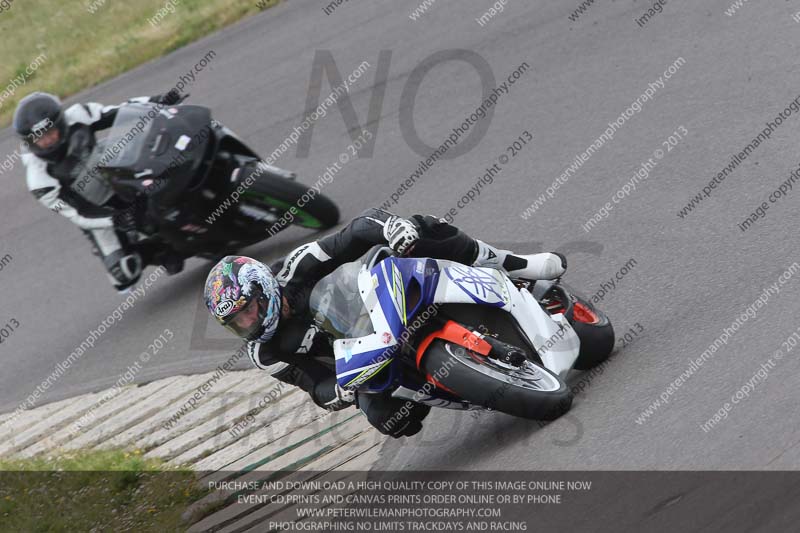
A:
x: 39, y: 120
x: 243, y: 295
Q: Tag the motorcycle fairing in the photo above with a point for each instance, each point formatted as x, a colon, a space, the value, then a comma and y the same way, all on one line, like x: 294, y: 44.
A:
x: 359, y: 359
x: 384, y: 292
x: 464, y: 284
x: 170, y: 145
x: 552, y: 335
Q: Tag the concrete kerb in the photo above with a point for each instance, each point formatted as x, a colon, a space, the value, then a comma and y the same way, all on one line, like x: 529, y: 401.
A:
x: 290, y: 433
x: 132, y: 418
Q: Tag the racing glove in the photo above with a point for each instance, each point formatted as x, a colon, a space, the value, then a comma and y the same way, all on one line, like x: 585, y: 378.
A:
x: 169, y: 98
x: 401, y: 234
x: 343, y: 398
x: 124, y: 220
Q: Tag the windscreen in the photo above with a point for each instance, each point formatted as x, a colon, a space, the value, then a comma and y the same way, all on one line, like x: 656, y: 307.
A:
x: 337, y: 306
x: 120, y: 147
x: 126, y: 138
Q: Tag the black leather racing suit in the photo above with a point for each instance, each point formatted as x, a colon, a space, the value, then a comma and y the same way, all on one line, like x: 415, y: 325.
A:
x: 294, y: 354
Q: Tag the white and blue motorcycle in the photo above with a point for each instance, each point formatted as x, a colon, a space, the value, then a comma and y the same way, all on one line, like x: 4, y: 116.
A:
x: 448, y: 335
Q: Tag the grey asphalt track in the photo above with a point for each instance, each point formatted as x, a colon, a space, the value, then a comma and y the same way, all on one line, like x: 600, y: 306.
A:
x: 693, y: 276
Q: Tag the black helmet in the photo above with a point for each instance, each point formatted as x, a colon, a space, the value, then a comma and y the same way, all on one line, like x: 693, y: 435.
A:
x: 36, y: 115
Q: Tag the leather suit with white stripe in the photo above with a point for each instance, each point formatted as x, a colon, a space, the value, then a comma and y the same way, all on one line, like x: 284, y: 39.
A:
x: 50, y: 183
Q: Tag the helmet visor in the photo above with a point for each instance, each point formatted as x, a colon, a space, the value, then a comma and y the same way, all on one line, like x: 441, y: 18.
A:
x: 249, y: 321
x: 46, y: 139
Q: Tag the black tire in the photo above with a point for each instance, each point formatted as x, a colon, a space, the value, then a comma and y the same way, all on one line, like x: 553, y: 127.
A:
x: 462, y: 371
x: 280, y: 194
x: 597, y: 340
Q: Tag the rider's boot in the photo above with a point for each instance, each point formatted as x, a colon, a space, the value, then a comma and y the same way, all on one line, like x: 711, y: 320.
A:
x: 157, y: 254
x: 173, y: 263
x: 548, y: 265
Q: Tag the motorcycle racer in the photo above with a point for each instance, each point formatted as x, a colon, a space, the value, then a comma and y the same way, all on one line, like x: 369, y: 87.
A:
x: 58, y: 141
x: 269, y: 307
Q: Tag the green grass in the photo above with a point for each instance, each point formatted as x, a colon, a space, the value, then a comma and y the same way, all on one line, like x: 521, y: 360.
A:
x: 82, y: 49
x: 94, y: 491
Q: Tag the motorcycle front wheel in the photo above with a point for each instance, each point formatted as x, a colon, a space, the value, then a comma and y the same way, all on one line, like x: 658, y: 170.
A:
x: 529, y: 391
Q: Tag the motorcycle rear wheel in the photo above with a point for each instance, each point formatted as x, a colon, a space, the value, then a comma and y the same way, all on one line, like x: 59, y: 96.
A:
x: 279, y: 196
x: 596, y: 333
x: 592, y: 326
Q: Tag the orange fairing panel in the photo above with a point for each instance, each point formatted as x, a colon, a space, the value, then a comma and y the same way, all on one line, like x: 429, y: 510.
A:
x: 455, y: 333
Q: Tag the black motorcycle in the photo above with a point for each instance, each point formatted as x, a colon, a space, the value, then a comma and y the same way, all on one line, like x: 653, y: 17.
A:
x: 185, y: 185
